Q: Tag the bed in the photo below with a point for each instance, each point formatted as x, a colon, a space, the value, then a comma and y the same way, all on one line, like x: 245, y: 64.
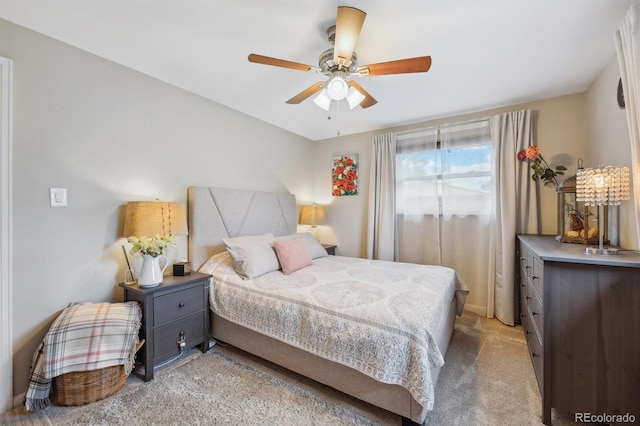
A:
x: 387, y: 354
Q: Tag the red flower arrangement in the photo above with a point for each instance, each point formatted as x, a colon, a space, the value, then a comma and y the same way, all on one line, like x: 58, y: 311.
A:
x: 541, y: 169
x: 344, y: 176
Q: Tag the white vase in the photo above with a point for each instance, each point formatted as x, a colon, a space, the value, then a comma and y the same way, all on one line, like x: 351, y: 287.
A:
x: 151, y: 273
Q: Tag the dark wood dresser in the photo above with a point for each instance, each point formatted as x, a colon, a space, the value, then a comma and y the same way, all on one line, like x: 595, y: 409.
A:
x: 581, y: 316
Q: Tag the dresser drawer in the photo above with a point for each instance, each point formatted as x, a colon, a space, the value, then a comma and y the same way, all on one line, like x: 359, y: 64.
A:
x: 180, y: 304
x: 537, y: 277
x: 166, y: 338
x: 536, y: 353
x: 536, y: 312
x: 524, y: 305
x: 523, y: 264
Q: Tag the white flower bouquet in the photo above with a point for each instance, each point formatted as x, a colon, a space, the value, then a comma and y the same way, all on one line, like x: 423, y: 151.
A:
x: 152, y: 246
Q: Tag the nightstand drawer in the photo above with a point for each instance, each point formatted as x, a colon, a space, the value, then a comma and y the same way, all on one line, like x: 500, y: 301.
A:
x: 180, y: 304
x: 166, y: 338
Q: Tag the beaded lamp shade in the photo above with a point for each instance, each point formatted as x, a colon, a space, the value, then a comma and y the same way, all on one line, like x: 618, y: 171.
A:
x: 602, y: 186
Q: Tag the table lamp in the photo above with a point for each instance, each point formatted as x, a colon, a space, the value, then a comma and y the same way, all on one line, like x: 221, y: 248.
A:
x: 602, y: 186
x: 313, y: 215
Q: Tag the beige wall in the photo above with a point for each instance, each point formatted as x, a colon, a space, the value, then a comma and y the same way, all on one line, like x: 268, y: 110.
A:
x: 608, y: 141
x: 111, y: 135
x: 560, y: 135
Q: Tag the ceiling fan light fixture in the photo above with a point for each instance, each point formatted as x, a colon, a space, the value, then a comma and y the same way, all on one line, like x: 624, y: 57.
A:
x: 354, y: 97
x: 323, y: 100
x: 337, y: 88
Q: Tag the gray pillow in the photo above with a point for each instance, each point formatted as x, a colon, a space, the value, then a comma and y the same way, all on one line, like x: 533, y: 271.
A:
x: 253, y: 255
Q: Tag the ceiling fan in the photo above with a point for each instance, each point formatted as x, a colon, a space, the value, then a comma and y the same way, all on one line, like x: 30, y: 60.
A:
x: 341, y: 62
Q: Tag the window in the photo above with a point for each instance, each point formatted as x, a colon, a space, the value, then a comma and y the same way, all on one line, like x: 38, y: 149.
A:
x: 445, y: 171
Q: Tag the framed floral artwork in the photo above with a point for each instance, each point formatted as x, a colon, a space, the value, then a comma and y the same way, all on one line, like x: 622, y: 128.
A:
x: 344, y: 175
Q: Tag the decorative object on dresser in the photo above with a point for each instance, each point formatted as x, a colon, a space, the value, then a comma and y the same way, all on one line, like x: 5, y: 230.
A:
x: 576, y: 222
x: 581, y: 316
x: 151, y: 226
x: 600, y: 187
x: 541, y: 169
x: 175, y: 317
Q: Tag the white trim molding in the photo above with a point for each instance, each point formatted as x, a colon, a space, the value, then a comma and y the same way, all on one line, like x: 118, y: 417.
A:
x: 6, y: 326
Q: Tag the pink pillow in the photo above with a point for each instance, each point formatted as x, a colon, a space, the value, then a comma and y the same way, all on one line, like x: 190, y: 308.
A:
x: 292, y: 254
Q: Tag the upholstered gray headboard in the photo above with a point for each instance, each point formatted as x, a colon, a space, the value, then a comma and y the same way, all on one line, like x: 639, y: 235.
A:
x: 217, y: 213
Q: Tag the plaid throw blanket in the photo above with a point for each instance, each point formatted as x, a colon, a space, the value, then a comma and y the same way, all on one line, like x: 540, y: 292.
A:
x: 84, y: 337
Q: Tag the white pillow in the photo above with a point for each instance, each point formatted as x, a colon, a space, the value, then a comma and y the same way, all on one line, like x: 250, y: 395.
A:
x: 253, y: 255
x: 315, y: 248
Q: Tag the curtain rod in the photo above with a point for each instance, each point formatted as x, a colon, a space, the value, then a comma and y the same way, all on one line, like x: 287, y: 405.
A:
x: 406, y: 132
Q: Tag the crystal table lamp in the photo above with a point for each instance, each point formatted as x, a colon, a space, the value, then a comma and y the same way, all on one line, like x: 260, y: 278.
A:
x: 602, y: 186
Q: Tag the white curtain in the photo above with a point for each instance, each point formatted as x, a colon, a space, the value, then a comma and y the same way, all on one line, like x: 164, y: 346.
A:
x: 417, y: 205
x: 382, y: 237
x: 628, y: 48
x: 444, y: 202
x: 514, y: 208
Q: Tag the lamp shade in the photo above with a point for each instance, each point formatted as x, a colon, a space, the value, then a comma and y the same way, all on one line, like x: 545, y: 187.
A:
x: 149, y: 218
x: 354, y: 97
x: 606, y: 186
x: 602, y: 186
x: 323, y: 100
x: 313, y: 215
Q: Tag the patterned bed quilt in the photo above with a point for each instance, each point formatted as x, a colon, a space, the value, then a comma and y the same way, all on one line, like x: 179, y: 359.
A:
x: 377, y: 317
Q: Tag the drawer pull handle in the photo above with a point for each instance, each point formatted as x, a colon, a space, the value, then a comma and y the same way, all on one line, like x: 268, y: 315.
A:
x: 181, y: 305
x: 527, y: 267
x: 527, y: 297
x: 534, y: 277
x: 534, y: 313
x: 534, y: 354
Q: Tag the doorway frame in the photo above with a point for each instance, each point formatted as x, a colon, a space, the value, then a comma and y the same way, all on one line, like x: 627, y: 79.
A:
x: 6, y: 301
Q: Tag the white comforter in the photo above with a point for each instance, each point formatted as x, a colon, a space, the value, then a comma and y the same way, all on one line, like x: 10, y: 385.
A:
x: 377, y: 317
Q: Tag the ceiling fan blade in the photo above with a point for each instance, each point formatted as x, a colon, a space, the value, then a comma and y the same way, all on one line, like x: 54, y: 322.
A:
x: 402, y: 66
x: 306, y: 93
x: 368, y: 99
x: 266, y: 60
x: 348, y: 25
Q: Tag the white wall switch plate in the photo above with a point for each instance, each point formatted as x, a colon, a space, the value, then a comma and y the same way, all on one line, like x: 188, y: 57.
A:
x: 58, y: 197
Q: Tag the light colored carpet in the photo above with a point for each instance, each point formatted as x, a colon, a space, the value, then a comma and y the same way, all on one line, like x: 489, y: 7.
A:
x: 488, y: 379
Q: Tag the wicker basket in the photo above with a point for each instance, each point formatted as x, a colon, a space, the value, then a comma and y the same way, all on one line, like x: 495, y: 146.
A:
x: 84, y: 387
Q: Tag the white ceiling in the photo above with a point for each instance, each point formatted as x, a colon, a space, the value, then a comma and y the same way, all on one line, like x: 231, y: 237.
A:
x: 486, y: 53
